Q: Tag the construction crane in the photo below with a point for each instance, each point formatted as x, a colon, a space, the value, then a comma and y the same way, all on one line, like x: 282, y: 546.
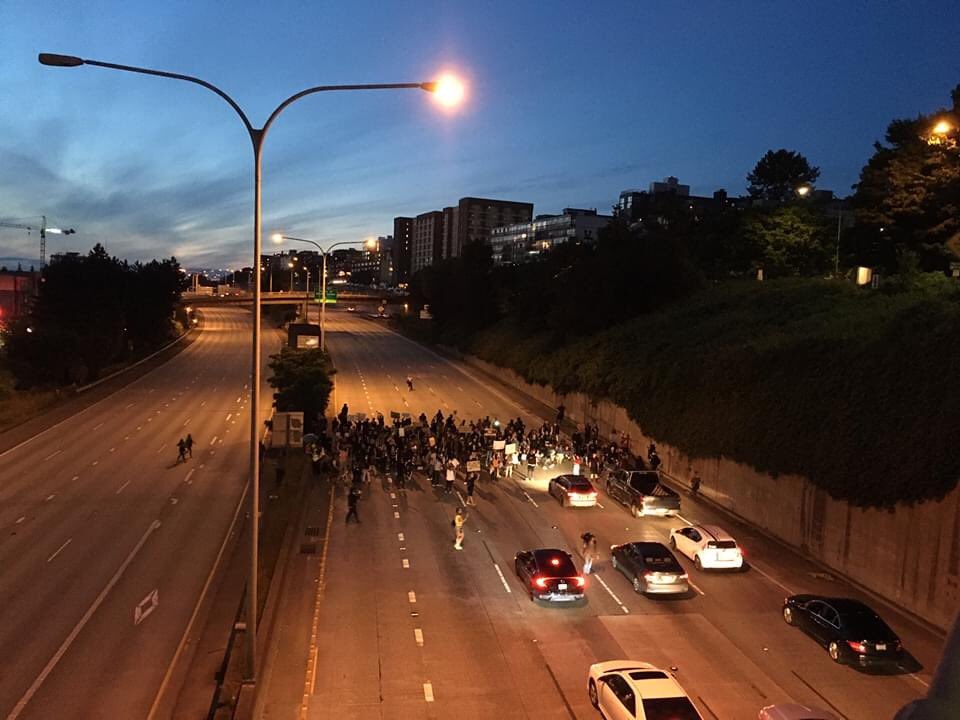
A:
x: 43, y: 233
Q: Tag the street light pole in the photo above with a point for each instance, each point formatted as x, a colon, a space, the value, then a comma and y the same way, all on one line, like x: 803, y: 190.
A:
x: 445, y: 90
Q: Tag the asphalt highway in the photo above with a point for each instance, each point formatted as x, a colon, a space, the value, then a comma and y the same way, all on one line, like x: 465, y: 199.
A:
x: 106, y: 543
x: 411, y: 628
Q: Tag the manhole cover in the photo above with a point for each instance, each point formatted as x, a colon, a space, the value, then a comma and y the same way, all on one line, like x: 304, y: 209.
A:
x: 312, y: 531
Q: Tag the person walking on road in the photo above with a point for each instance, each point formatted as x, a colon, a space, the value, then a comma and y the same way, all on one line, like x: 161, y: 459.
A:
x: 451, y: 476
x: 353, y: 498
x: 471, y: 482
x: 695, y: 483
x: 181, y: 451
x: 458, y: 521
x: 410, y: 382
x: 589, y: 549
x: 189, y: 443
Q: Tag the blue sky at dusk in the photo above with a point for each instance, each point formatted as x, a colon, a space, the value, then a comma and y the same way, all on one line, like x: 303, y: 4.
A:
x: 568, y: 103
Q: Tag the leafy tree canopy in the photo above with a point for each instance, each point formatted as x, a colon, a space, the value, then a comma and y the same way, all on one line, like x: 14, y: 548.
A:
x: 777, y: 175
x: 302, y: 381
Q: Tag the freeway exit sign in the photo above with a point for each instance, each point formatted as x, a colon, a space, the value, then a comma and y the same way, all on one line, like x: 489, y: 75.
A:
x: 331, y: 297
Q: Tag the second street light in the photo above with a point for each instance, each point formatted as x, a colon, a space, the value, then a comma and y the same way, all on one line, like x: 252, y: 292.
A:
x: 447, y: 90
x: 370, y: 244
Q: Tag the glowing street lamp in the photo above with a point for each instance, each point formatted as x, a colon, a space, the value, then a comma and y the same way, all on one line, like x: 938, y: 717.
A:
x: 448, y: 91
x: 803, y: 190
x: 943, y: 127
x: 450, y: 95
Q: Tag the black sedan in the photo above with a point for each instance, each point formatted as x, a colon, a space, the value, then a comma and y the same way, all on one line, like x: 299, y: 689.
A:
x: 849, y: 630
x: 550, y: 575
x: 650, y: 567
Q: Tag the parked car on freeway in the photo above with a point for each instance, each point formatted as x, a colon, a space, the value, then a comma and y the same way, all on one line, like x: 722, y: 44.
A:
x: 794, y: 711
x: 573, y: 490
x: 627, y: 689
x: 642, y: 492
x: 849, y: 630
x: 710, y: 547
x: 650, y: 567
x: 549, y: 574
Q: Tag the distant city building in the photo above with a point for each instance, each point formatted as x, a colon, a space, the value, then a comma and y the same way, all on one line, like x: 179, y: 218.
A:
x: 522, y: 241
x: 476, y: 217
x: 667, y: 200
x: 17, y: 287
x: 427, y: 246
x: 402, y: 249
x: 451, y: 232
x: 670, y: 185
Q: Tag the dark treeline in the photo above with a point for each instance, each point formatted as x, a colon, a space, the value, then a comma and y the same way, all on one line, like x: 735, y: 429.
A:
x: 92, y: 312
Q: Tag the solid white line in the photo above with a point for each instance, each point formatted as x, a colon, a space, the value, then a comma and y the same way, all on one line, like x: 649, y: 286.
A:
x: 690, y: 583
x: 412, y: 596
x: 122, y: 487
x: 60, y: 549
x: 406, y: 563
x: 600, y: 506
x: 772, y: 579
x: 53, y: 455
x: 61, y: 651
x: 462, y: 501
x: 682, y: 518
x: 418, y: 636
x: 530, y: 499
x: 502, y: 578
x: 612, y: 594
x: 428, y: 692
x: 919, y: 680
x: 98, y: 426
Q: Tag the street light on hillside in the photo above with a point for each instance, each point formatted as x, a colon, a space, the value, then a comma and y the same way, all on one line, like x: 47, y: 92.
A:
x: 448, y: 91
x: 370, y: 244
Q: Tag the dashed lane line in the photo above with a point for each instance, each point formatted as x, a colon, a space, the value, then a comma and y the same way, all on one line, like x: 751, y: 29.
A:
x: 412, y: 597
x: 502, y: 578
x: 612, y: 594
x: 418, y: 636
x: 772, y: 579
x: 20, y: 519
x: 428, y: 692
x: 533, y: 502
x: 691, y: 584
x: 406, y: 564
x: 98, y: 426
x: 122, y: 487
x: 60, y: 549
x: 53, y: 455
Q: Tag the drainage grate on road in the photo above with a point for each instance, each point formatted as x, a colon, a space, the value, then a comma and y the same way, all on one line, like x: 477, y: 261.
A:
x: 312, y: 531
x: 308, y: 549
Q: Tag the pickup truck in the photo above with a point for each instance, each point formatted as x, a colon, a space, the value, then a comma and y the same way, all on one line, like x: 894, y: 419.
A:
x: 642, y: 492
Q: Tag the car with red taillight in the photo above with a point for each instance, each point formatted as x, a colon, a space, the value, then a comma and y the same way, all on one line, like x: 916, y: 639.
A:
x: 573, y: 491
x: 851, y: 632
x: 550, y: 574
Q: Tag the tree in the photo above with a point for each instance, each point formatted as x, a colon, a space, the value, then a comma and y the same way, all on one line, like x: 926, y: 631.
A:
x: 789, y: 241
x: 908, y: 197
x: 302, y: 381
x: 777, y: 175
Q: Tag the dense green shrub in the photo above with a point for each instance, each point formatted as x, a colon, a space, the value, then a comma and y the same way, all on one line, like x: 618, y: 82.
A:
x: 858, y: 390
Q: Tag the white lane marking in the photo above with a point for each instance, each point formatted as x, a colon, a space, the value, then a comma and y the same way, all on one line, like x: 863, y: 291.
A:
x: 139, y: 427
x: 213, y: 440
x: 406, y: 564
x: 74, y: 478
x: 412, y: 596
x: 238, y: 399
x: 502, y: 578
x: 393, y: 496
x: 428, y: 692
x: 771, y: 578
x: 20, y: 519
x: 95, y: 463
x: 60, y: 549
x: 203, y: 403
x: 185, y: 422
x: 126, y: 437
x: 146, y: 606
x: 50, y: 497
x: 229, y: 415
x: 462, y: 501
x: 530, y: 499
x: 690, y: 583
x: 189, y: 475
x: 113, y: 449
x: 150, y: 419
x: 98, y: 426
x: 151, y: 390
x: 683, y: 519
x: 400, y: 537
x: 611, y: 593
x: 129, y: 405
x: 122, y: 487
x: 53, y: 455
x: 418, y: 636
x: 600, y: 506
x: 919, y: 679
x: 396, y: 515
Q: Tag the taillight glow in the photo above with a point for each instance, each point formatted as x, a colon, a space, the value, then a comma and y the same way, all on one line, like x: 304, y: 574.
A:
x: 580, y: 581
x: 540, y: 582
x: 857, y: 647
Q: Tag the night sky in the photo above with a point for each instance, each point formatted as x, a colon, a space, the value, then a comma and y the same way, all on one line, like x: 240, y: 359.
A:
x: 568, y: 104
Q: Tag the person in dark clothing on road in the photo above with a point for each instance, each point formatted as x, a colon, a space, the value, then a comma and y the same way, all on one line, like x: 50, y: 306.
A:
x: 181, y: 451
x: 353, y: 498
x: 189, y: 443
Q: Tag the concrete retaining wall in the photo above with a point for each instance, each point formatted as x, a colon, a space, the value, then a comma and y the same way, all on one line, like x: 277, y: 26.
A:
x: 910, y: 555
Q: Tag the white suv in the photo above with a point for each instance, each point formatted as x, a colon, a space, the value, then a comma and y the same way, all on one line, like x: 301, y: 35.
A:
x: 709, y: 546
x: 628, y: 690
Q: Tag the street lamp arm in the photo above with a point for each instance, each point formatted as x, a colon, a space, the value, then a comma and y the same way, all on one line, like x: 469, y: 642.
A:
x: 427, y: 86
x: 71, y: 61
